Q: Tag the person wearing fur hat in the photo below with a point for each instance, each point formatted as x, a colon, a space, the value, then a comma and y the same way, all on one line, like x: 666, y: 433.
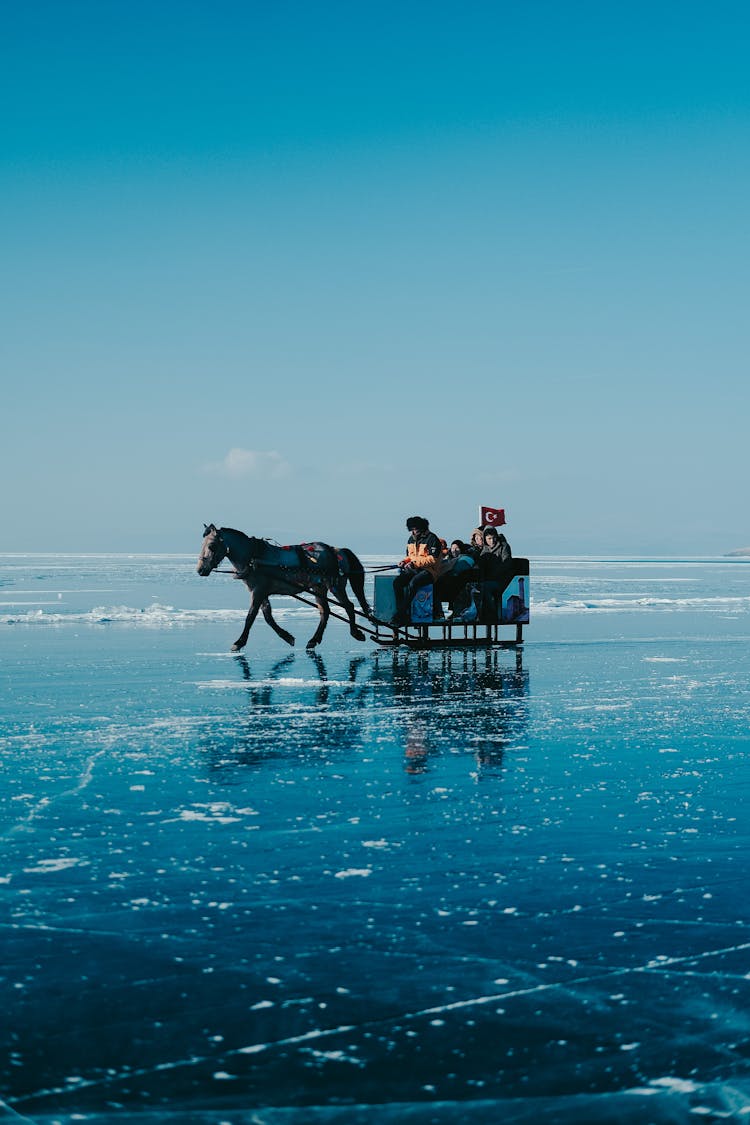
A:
x: 422, y: 564
x: 476, y: 543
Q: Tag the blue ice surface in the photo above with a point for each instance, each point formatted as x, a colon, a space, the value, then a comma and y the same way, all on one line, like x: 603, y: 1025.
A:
x: 371, y: 885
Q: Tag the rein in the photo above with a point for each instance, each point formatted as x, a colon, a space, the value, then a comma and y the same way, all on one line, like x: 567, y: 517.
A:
x: 364, y: 628
x: 253, y: 563
x: 256, y: 564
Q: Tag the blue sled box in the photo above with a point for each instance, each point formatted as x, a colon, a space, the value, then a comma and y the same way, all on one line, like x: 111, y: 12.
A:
x: 385, y: 599
x: 421, y: 606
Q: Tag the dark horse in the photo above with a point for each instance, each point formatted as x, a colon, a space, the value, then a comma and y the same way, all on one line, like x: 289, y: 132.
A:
x: 266, y: 570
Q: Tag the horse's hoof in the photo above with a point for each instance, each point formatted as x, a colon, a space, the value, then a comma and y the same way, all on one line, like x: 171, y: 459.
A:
x: 310, y: 645
x: 236, y: 647
x: 359, y: 635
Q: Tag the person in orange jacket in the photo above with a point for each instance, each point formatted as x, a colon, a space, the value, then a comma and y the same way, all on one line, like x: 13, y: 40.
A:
x: 422, y: 564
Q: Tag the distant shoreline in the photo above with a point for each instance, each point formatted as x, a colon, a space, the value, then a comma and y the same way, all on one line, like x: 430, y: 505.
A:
x: 740, y: 553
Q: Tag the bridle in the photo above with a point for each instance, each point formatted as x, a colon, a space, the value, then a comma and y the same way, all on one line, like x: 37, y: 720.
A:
x: 210, y: 546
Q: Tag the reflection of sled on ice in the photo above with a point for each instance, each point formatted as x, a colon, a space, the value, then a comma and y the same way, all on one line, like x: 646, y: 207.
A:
x: 430, y: 629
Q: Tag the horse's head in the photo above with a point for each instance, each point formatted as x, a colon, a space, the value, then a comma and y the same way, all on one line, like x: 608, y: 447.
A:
x: 213, y: 550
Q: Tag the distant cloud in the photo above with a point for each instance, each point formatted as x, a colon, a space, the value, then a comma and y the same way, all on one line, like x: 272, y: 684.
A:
x: 261, y: 464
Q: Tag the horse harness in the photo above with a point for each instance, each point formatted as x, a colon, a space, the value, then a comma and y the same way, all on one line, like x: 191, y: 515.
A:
x: 305, y: 565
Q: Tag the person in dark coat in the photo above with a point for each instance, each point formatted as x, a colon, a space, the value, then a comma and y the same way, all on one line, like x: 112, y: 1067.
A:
x: 494, y: 571
x: 422, y: 564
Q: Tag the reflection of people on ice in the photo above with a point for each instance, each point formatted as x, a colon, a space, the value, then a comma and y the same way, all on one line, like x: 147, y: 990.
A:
x: 416, y: 751
x: 467, y: 703
x: 422, y: 565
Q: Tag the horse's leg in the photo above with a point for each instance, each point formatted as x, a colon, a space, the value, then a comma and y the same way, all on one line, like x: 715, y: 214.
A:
x: 256, y: 600
x: 343, y: 598
x: 356, y: 574
x: 358, y: 586
x: 271, y: 620
x: 325, y: 612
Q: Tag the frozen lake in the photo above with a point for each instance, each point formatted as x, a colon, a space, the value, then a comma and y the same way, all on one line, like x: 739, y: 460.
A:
x: 373, y: 886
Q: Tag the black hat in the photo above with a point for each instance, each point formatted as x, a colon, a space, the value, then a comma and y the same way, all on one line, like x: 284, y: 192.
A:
x: 417, y: 523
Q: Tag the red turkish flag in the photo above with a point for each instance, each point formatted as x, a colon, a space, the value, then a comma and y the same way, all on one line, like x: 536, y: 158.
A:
x: 491, y: 517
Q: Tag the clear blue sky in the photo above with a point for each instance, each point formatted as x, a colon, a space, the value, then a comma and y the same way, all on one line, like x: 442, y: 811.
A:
x: 308, y: 268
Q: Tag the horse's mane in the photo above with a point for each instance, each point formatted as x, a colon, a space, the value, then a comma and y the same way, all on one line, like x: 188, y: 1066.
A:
x: 248, y: 538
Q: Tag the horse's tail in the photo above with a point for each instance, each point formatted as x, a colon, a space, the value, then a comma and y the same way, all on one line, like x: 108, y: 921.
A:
x: 352, y: 569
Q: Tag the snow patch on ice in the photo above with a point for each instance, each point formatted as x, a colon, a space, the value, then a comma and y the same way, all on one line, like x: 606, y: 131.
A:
x: 44, y: 866
x: 679, y: 1085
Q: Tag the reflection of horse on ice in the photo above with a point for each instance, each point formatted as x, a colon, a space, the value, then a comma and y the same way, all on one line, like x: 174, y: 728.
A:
x: 266, y: 570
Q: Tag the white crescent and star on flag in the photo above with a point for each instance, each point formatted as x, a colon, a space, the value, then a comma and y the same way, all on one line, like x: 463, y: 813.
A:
x: 491, y: 517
